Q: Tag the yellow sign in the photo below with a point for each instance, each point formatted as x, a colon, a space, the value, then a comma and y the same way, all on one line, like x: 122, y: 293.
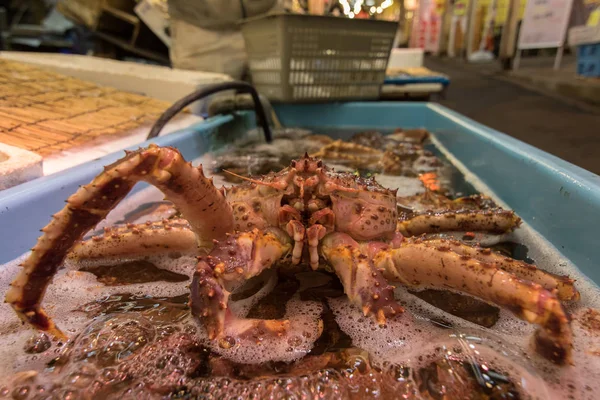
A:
x: 440, y: 5
x: 460, y: 7
x: 502, y: 10
x: 594, y: 17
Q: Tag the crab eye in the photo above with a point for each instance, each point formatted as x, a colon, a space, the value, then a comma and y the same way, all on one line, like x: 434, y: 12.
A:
x: 319, y: 164
x: 293, y: 164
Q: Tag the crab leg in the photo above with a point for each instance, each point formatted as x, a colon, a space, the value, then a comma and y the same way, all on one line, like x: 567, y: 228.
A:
x: 231, y: 263
x: 364, y: 285
x: 344, y: 151
x: 297, y: 232
x: 136, y: 239
x: 192, y: 193
x: 497, y: 221
x: 418, y: 263
x: 562, y: 284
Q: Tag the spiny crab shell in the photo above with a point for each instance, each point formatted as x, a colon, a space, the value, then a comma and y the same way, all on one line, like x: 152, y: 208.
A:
x: 306, y: 212
x: 311, y: 193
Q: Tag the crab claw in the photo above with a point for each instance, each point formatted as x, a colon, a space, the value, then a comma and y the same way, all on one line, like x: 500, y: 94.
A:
x: 231, y: 263
x: 364, y: 285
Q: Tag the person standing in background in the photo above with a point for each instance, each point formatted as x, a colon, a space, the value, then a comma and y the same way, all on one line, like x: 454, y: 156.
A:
x: 205, y: 34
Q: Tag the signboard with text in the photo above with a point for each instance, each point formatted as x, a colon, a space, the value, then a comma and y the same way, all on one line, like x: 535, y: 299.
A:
x: 545, y: 23
x: 426, y: 32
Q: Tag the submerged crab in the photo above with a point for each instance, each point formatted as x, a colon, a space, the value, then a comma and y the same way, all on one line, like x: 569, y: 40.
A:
x: 401, y: 153
x: 306, y: 211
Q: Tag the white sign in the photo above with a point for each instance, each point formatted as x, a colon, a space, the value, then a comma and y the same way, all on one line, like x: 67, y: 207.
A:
x: 544, y: 23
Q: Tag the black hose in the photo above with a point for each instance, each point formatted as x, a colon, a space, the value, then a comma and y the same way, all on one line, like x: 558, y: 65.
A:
x: 241, y: 87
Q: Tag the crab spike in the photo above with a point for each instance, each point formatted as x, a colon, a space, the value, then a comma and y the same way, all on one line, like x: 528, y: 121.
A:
x: 380, y: 317
x: 219, y: 269
x: 359, y: 276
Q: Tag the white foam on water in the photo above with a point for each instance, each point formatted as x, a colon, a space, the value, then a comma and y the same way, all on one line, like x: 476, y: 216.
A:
x: 68, y: 292
x: 413, y: 340
x: 305, y: 327
x: 242, y: 307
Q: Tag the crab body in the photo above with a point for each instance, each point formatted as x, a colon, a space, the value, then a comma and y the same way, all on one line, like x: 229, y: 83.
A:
x: 308, y: 201
x: 306, y: 212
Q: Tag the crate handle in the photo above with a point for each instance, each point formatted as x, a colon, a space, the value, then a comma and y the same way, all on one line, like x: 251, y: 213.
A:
x: 203, y: 92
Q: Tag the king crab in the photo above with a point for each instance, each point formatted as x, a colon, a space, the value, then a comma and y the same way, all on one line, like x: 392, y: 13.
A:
x: 400, y: 153
x: 305, y: 212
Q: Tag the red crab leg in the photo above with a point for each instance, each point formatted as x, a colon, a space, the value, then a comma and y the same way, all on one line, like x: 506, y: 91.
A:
x: 364, y: 285
x: 192, y: 193
x: 138, y: 239
x: 497, y: 221
x: 420, y: 264
x: 562, y: 284
x: 231, y: 263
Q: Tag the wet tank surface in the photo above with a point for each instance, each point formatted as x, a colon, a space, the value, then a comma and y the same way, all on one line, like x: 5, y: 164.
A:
x: 133, y: 335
